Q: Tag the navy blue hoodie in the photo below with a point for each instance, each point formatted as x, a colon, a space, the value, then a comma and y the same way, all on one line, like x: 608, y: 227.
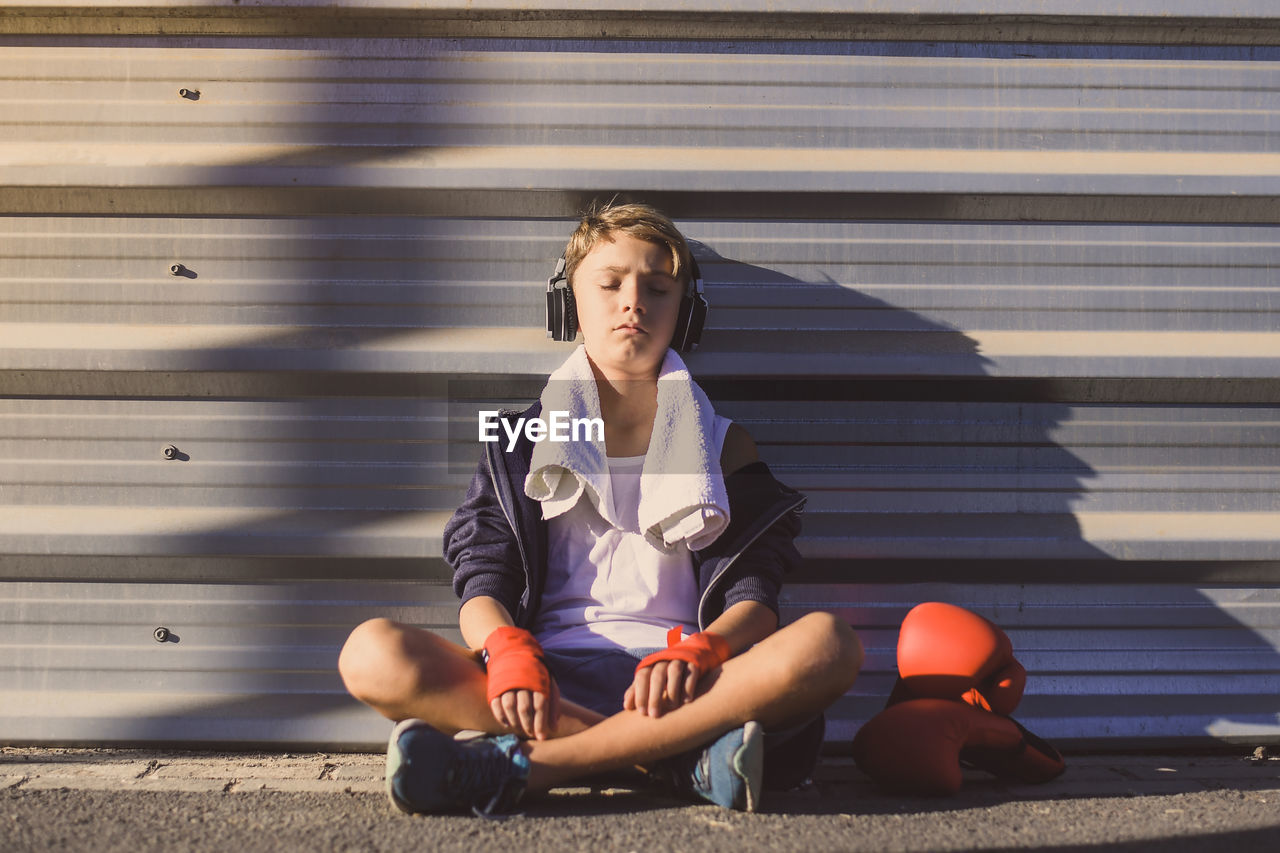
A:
x: 496, y: 541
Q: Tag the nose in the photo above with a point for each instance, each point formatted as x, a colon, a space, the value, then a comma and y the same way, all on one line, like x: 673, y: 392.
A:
x: 632, y: 295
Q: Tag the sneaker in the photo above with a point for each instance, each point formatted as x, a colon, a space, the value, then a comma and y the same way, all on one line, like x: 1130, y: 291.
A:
x: 428, y: 771
x: 728, y: 771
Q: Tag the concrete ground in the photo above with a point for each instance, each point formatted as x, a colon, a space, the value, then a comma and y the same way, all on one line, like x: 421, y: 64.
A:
x: 149, y: 800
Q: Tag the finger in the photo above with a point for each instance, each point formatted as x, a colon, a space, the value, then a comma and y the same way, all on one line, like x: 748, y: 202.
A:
x: 509, y: 709
x: 675, y: 684
x: 551, y: 710
x: 540, y: 703
x: 524, y: 707
x: 495, y: 705
x: 641, y: 685
x: 657, y: 685
x: 691, y: 682
x: 629, y: 698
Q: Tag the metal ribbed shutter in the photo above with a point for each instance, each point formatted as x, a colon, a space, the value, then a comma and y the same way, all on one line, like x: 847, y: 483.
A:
x: 1007, y: 313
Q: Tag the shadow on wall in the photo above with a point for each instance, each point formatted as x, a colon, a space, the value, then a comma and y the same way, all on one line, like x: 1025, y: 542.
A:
x: 906, y: 452
x: 928, y: 484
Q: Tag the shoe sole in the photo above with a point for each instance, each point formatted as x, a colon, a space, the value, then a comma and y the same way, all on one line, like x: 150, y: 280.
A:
x: 748, y: 763
x: 395, y: 759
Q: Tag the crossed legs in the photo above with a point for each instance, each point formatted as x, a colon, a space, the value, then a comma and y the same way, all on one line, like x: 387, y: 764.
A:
x: 783, y: 680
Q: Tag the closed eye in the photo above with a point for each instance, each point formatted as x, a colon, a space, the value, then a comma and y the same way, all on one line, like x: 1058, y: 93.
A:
x: 659, y: 286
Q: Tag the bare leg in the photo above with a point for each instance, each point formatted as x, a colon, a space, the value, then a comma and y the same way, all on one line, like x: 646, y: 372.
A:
x: 783, y: 680
x: 402, y: 671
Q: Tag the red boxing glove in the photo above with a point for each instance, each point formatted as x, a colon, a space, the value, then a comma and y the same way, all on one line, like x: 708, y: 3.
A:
x: 917, y: 746
x: 704, y: 650
x: 515, y: 663
x: 947, y: 652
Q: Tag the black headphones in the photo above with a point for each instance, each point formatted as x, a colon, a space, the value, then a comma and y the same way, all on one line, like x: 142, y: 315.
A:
x: 562, y: 311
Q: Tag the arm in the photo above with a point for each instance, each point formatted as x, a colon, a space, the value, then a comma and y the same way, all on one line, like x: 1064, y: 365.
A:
x: 481, y: 548
x: 478, y: 617
x: 744, y: 624
x: 759, y: 570
x: 529, y: 712
x: 668, y: 684
x: 739, y: 449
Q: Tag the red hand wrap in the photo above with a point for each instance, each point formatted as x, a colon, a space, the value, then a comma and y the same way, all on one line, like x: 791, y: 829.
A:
x: 704, y: 650
x: 515, y: 663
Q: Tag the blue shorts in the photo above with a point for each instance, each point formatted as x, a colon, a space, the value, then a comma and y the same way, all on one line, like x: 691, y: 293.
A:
x: 598, y: 679
x: 595, y: 678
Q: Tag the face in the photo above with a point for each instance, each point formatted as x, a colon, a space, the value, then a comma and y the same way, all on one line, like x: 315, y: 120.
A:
x: 627, y: 304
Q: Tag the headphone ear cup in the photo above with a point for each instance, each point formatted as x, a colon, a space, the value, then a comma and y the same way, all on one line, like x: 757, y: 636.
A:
x: 570, y: 314
x: 693, y: 316
x: 562, y: 312
x: 697, y: 319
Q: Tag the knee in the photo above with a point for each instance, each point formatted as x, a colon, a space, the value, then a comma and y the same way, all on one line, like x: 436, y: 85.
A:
x: 831, y: 649
x: 373, y: 657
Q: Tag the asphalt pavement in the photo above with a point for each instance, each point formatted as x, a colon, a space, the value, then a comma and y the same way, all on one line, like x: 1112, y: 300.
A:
x: 152, y: 800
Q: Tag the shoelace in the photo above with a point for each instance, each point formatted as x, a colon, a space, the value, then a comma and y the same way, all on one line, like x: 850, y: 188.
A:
x: 486, y: 812
x: 701, y: 775
x: 477, y: 769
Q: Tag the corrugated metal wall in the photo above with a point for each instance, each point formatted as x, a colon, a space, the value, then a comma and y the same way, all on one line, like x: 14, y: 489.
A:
x: 1005, y: 310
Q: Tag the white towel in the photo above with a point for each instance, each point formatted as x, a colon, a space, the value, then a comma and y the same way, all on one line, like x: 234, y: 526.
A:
x: 682, y: 493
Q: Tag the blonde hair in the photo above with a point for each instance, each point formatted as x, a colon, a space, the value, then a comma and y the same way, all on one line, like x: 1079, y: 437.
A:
x: 601, y: 221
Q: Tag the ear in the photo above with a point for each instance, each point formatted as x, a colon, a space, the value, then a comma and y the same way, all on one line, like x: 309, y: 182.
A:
x: 739, y: 449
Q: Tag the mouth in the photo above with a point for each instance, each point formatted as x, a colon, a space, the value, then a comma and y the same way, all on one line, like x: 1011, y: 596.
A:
x: 631, y: 329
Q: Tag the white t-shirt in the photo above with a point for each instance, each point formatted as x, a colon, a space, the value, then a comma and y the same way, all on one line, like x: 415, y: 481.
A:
x: 607, y: 587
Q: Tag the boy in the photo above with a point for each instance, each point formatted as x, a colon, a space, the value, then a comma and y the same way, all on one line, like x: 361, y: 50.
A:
x: 575, y: 611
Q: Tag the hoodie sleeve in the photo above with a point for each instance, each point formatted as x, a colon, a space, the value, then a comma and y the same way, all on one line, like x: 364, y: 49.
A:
x: 758, y: 572
x: 481, y: 547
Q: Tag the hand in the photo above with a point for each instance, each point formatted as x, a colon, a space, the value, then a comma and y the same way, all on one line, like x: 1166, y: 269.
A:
x: 668, y: 678
x: 521, y: 692
x: 662, y: 687
x: 528, y: 713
